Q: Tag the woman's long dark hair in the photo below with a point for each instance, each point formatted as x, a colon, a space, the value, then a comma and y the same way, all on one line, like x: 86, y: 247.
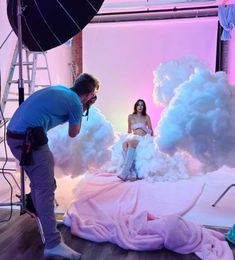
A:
x: 135, y: 107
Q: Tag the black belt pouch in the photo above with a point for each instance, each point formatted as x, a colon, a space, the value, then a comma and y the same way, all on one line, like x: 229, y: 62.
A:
x: 35, y: 137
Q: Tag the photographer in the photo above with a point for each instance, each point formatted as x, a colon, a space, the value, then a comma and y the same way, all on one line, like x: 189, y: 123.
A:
x: 27, y: 139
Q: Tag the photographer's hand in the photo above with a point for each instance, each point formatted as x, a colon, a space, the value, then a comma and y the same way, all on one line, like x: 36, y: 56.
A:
x: 89, y: 103
x: 86, y: 106
x: 92, y: 100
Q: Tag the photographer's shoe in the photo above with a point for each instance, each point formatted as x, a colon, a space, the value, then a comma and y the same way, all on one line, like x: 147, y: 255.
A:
x: 62, y: 250
x: 122, y: 177
x: 132, y: 178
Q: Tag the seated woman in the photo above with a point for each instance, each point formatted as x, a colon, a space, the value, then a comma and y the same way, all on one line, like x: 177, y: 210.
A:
x: 139, y: 125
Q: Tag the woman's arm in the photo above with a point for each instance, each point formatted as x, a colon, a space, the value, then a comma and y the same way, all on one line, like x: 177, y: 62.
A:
x: 129, y: 125
x: 149, y: 124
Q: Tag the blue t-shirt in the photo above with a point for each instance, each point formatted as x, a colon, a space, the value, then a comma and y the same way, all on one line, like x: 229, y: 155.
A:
x: 47, y: 108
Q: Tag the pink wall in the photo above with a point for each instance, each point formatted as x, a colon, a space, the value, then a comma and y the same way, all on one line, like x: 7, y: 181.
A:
x: 124, y: 55
x: 231, y: 59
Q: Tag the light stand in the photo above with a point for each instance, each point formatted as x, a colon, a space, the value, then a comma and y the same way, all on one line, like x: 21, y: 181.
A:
x: 22, y: 202
x: 21, y: 98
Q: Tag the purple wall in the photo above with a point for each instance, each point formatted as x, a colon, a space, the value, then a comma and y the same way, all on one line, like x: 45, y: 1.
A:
x: 124, y: 55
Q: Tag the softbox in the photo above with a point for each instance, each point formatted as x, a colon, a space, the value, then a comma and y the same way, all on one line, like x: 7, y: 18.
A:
x: 49, y: 23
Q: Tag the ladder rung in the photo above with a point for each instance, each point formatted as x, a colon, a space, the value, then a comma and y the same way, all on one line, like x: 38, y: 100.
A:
x: 38, y: 52
x: 23, y: 63
x: 13, y: 82
x: 11, y: 99
x: 16, y: 81
x: 43, y: 86
x: 39, y: 68
x: 2, y: 159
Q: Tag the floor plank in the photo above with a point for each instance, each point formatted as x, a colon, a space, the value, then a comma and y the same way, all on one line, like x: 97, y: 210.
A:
x: 20, y: 240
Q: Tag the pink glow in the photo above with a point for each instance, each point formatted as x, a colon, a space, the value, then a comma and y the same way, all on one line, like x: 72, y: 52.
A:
x: 124, y: 55
x: 225, y: 2
x: 231, y: 58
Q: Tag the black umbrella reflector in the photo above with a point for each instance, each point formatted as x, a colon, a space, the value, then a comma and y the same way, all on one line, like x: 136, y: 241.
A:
x: 49, y: 23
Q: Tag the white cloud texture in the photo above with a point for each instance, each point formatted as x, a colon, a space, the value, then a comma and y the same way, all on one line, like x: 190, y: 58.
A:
x: 169, y: 75
x: 199, y: 117
x: 87, y: 151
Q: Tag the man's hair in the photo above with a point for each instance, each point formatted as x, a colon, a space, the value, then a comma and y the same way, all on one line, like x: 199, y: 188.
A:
x: 85, y: 83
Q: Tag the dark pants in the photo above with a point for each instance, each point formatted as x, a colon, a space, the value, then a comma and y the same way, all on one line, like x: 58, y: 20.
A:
x: 43, y: 185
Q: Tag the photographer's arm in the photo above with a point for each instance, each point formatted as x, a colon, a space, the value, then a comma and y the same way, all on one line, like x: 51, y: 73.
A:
x: 74, y: 130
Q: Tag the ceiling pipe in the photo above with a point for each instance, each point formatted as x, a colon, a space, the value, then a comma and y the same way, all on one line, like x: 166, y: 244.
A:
x: 163, y: 14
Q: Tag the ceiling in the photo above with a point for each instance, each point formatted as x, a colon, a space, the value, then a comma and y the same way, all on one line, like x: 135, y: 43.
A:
x: 138, y: 5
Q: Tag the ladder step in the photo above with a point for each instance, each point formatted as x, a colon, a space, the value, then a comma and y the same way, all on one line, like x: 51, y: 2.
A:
x: 16, y: 81
x: 12, y: 82
x: 43, y: 86
x: 23, y: 63
x: 40, y: 68
x: 2, y: 159
x: 11, y: 99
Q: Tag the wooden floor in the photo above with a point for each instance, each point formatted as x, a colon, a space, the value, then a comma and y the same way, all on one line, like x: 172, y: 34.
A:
x: 20, y: 240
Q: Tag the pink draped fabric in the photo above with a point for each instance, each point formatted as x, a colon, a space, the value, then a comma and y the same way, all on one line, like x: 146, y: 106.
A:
x: 143, y: 216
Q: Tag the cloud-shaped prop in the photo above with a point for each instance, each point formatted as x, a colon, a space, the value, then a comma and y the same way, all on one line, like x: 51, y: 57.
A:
x: 150, y: 163
x: 87, y: 151
x: 169, y: 75
x: 200, y: 119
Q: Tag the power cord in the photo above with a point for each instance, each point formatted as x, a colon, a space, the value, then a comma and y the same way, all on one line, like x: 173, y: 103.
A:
x: 4, y: 165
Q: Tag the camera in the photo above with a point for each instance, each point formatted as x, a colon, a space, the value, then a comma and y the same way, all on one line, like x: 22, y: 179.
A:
x: 92, y: 100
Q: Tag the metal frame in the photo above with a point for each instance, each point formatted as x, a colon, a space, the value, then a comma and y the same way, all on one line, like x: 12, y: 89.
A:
x: 222, y: 195
x: 22, y: 202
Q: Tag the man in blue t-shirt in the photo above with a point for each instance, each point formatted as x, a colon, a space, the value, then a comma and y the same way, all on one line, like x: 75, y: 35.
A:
x: 26, y: 137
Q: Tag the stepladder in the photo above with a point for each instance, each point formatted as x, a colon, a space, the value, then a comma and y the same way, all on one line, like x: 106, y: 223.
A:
x: 36, y: 75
